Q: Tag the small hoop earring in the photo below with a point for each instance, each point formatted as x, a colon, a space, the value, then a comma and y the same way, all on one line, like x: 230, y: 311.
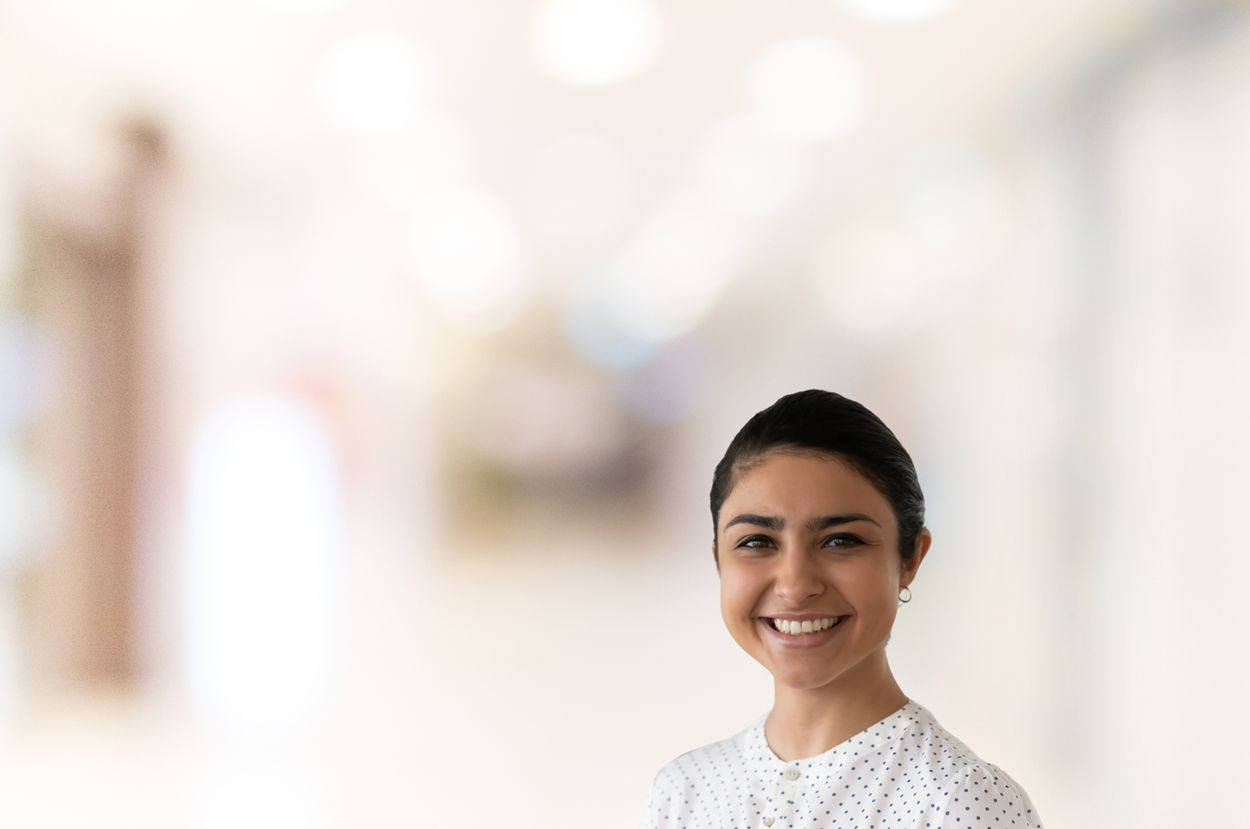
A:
x: 901, y: 598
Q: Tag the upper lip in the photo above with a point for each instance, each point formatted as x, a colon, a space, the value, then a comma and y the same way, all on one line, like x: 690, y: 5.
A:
x: 800, y: 617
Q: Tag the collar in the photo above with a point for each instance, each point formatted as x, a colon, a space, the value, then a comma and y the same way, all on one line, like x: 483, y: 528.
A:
x: 871, y: 739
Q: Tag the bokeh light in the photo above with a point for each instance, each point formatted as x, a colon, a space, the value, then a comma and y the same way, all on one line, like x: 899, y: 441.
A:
x: 808, y: 89
x: 374, y: 83
x: 668, y: 278
x: 263, y: 563
x: 920, y: 245
x: 595, y: 42
x: 399, y: 169
x: 595, y: 333
x: 466, y: 252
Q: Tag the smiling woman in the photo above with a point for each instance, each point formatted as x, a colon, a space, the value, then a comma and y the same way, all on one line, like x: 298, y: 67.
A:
x: 818, y: 531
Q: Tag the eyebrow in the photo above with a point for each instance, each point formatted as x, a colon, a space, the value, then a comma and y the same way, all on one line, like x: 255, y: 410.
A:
x: 766, y: 521
x: 837, y: 520
x: 771, y: 522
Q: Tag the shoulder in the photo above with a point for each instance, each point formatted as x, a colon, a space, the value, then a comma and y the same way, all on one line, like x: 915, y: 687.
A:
x: 932, y: 750
x: 692, y: 785
x: 988, y: 793
x: 711, y: 762
x: 956, y: 783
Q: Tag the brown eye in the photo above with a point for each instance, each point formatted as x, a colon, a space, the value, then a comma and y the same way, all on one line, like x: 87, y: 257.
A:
x: 755, y: 542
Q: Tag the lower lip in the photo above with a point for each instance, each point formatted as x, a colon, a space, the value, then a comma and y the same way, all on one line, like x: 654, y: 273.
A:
x: 803, y: 640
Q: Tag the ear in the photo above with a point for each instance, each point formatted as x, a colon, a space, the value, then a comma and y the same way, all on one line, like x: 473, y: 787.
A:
x: 716, y: 557
x: 910, y: 567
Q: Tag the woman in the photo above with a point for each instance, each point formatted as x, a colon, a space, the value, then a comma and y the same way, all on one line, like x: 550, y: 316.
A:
x: 818, y: 531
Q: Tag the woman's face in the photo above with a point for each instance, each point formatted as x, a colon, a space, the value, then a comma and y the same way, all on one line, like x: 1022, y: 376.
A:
x: 808, y: 545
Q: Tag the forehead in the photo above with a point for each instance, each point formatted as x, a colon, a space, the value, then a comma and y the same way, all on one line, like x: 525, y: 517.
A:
x: 804, y: 484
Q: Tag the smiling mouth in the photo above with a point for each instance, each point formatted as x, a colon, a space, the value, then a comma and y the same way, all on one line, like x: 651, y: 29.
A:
x: 797, y: 628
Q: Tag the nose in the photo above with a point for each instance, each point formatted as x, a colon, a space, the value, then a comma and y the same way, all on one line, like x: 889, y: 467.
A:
x: 797, y: 578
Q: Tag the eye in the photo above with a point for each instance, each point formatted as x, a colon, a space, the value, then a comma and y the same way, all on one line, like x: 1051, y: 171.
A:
x: 843, y: 540
x: 755, y: 542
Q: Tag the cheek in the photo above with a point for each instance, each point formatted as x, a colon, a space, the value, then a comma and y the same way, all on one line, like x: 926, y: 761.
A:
x: 872, y: 588
x: 737, y: 593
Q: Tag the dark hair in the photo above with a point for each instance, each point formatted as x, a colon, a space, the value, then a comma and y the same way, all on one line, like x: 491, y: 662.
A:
x: 821, y: 422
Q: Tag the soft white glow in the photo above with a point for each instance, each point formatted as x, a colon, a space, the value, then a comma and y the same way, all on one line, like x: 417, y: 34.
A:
x: 749, y: 170
x: 900, y: 10
x: 466, y: 252
x: 263, y: 524
x: 947, y: 193
x: 808, y: 89
x: 398, y: 170
x: 595, y: 333
x: 591, y: 42
x: 667, y: 279
x: 908, y: 257
x: 582, y: 185
x: 870, y: 278
x: 374, y: 84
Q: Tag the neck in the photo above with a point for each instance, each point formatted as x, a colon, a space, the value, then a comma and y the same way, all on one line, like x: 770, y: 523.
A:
x: 806, y: 722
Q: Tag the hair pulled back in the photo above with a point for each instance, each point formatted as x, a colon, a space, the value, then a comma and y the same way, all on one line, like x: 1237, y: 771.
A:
x: 825, y: 423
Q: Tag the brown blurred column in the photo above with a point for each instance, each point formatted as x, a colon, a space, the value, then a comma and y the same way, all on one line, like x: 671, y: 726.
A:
x: 86, y: 282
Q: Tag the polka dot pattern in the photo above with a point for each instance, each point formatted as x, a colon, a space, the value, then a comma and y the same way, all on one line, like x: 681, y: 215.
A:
x: 905, y: 771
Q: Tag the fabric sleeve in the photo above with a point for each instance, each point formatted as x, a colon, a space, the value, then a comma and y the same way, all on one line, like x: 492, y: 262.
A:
x: 657, y: 813
x: 987, y: 796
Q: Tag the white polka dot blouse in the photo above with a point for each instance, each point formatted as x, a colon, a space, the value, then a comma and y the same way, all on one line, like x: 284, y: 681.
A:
x: 904, y: 771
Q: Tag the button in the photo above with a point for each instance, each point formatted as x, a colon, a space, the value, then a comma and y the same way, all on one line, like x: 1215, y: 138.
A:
x: 768, y: 821
x: 792, y: 774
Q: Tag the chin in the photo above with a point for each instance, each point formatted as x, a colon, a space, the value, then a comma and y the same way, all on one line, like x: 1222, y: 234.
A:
x: 804, y: 680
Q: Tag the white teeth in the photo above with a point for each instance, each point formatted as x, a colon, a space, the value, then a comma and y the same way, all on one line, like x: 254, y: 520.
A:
x: 798, y: 628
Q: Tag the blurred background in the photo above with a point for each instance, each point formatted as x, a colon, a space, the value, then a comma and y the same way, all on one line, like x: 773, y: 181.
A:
x: 363, y: 365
